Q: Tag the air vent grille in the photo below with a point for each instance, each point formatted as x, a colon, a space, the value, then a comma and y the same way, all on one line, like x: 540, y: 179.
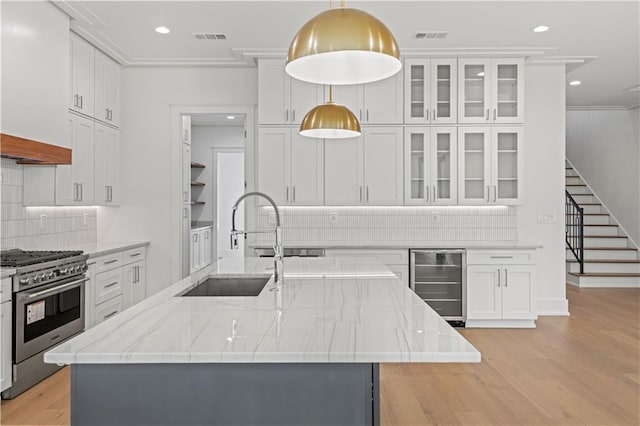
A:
x: 432, y: 35
x: 209, y: 36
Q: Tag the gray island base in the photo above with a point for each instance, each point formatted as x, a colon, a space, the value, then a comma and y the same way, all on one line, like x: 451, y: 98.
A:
x: 225, y: 394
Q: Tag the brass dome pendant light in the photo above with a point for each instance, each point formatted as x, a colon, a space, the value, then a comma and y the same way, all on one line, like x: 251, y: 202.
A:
x: 343, y: 46
x: 330, y: 121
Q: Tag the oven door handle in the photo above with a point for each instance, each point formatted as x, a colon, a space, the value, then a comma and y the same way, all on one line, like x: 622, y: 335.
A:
x: 57, y: 289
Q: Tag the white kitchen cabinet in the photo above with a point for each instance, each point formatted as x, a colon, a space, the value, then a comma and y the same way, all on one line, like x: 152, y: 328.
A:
x: 134, y: 276
x: 75, y: 183
x: 491, y: 162
x: 201, y: 249
x: 290, y: 166
x: 282, y: 99
x: 365, y: 170
x: 501, y: 289
x: 107, y: 285
x: 186, y: 173
x: 107, y: 89
x: 431, y: 160
x: 195, y: 250
x: 82, y: 76
x: 491, y: 91
x: 205, y: 247
x: 380, y: 102
x: 430, y: 91
x: 6, y: 325
x: 107, y: 165
x: 108, y: 309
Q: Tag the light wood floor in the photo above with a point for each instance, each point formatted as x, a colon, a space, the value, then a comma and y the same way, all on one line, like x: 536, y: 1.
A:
x: 579, y: 370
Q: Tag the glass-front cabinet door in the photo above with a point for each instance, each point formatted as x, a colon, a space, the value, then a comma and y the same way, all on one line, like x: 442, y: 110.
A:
x: 507, y: 165
x: 507, y: 91
x: 474, y: 164
x: 443, y: 90
x: 431, y: 166
x: 474, y: 90
x: 430, y: 91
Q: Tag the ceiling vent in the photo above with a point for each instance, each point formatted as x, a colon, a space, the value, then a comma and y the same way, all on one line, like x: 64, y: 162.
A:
x: 209, y: 36
x: 433, y: 35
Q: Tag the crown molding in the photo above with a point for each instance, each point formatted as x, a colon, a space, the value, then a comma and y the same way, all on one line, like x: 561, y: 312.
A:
x: 599, y: 108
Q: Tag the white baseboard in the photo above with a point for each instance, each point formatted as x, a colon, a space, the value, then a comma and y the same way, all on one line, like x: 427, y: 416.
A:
x: 553, y: 307
x: 483, y: 323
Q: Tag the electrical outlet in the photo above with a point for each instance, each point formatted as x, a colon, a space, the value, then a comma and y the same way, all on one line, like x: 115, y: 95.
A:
x: 435, y: 217
x: 333, y: 218
x: 547, y: 218
x: 43, y: 221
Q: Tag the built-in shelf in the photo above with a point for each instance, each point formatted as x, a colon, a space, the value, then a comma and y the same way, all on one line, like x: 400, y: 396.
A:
x: 195, y: 165
x: 196, y: 183
x: 197, y: 203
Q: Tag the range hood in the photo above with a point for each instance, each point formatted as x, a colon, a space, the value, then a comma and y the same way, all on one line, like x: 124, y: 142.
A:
x: 28, y: 151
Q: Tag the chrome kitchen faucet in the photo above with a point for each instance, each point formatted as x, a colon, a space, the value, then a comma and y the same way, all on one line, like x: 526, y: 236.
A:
x: 277, y: 248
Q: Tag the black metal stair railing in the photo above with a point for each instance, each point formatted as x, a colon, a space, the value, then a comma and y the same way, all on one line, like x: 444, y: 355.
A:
x: 574, y: 228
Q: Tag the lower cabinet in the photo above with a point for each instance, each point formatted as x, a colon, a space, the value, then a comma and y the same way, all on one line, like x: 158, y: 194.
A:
x: 116, y: 282
x: 5, y: 335
x: 501, y: 289
x: 200, y: 248
x: 396, y: 260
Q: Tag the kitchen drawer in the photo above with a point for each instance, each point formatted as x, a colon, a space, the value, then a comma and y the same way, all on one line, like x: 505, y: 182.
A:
x: 108, y: 309
x: 107, y: 285
x: 105, y: 263
x: 502, y: 257
x: 446, y: 308
x: 133, y: 255
x: 387, y: 257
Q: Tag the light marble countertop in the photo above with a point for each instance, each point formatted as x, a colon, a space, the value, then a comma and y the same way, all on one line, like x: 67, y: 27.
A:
x: 7, y: 272
x: 199, y: 227
x: 328, y: 310
x: 469, y: 245
x: 102, y: 248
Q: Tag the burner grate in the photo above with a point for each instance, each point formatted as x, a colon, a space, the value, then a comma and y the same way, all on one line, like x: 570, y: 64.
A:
x: 15, y: 258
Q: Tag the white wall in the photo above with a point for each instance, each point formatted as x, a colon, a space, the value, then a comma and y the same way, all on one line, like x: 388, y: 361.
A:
x: 604, y: 146
x: 147, y: 174
x: 544, y: 181
x: 203, y: 140
x: 230, y: 187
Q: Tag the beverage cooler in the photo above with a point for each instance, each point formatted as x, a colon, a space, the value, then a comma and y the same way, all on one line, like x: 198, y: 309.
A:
x: 438, y: 278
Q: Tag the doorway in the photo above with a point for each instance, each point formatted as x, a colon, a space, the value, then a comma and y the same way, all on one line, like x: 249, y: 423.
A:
x: 228, y: 184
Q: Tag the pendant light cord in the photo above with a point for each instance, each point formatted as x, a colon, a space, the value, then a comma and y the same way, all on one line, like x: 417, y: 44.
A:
x: 331, y: 93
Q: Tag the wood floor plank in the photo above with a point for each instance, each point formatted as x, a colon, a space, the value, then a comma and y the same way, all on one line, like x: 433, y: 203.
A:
x: 578, y: 370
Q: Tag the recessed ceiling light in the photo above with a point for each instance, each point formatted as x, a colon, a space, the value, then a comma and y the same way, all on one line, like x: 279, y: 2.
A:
x: 540, y: 29
x: 163, y: 30
x: 231, y: 117
x: 481, y: 74
x: 575, y: 83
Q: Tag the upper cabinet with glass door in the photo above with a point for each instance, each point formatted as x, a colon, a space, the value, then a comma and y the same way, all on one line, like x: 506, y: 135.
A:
x: 431, y: 166
x: 430, y: 91
x: 491, y: 91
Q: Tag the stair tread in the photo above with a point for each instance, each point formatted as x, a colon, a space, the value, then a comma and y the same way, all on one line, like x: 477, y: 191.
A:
x: 590, y: 204
x: 606, y: 261
x: 602, y: 224
x: 610, y: 248
x: 574, y: 184
x: 596, y: 214
x: 605, y: 274
x: 605, y: 236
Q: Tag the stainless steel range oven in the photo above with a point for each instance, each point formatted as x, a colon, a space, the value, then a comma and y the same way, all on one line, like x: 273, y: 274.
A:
x: 48, y: 308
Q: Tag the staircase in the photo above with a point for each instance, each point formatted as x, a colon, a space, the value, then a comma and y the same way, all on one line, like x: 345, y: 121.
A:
x: 610, y: 259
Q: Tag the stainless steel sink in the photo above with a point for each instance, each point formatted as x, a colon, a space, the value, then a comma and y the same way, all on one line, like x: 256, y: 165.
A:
x: 241, y: 285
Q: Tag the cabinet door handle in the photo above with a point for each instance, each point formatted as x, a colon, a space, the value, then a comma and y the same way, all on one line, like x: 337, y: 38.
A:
x: 106, y: 113
x: 367, y: 193
x: 434, y: 193
x: 434, y: 116
x: 106, y: 193
x: 495, y: 114
x: 495, y: 193
x: 426, y: 187
x: 81, y: 192
x: 502, y: 257
x: 498, y: 277
x: 110, y: 114
x: 487, y: 119
x: 506, y: 277
x: 426, y: 113
x: 110, y: 315
x: 360, y: 114
x: 111, y: 284
x: 75, y: 191
x: 81, y: 102
x: 294, y: 193
x: 185, y: 196
x: 287, y: 191
x: 185, y: 212
x: 286, y: 115
x: 360, y: 193
x: 75, y: 100
x: 367, y: 115
x: 488, y: 193
x: 293, y: 115
x: 108, y: 262
x: 110, y: 193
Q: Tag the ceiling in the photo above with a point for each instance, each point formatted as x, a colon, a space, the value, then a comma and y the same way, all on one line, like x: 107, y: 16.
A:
x: 598, y: 40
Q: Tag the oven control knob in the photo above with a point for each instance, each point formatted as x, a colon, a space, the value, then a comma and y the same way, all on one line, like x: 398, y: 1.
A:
x: 78, y: 268
x: 64, y: 271
x: 43, y: 277
x: 25, y: 280
x: 52, y: 275
x: 36, y: 278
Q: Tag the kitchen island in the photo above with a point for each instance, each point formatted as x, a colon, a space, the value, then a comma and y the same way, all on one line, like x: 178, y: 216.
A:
x: 306, y: 352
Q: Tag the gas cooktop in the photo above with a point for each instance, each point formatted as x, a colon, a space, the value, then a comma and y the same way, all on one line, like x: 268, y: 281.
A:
x: 15, y: 258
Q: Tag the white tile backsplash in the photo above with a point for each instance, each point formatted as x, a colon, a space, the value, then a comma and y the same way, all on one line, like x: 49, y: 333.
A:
x: 20, y: 226
x: 380, y: 224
